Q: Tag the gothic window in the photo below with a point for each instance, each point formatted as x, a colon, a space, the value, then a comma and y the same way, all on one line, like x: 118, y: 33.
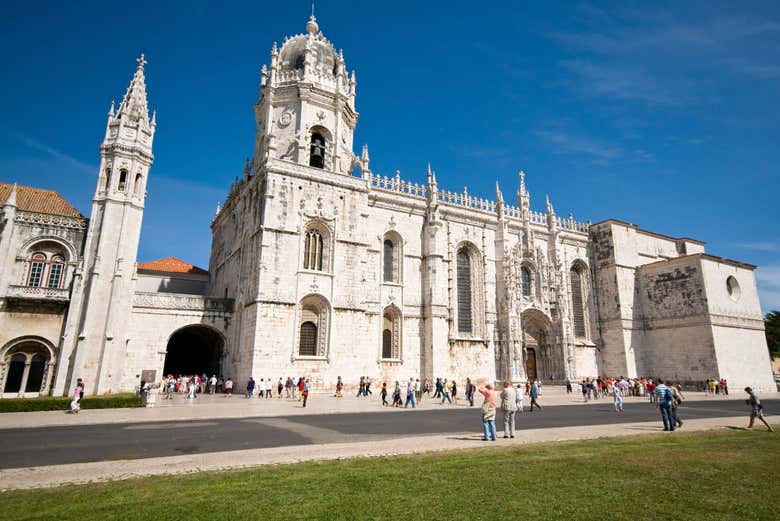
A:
x: 391, y: 333
x: 13, y: 380
x: 463, y: 267
x: 525, y: 276
x: 578, y: 313
x: 312, y: 252
x: 308, y: 342
x: 122, y: 180
x: 37, y: 265
x: 55, y: 272
x: 313, y: 326
x: 392, y: 258
x: 317, y: 154
x: 388, y: 261
x: 138, y: 184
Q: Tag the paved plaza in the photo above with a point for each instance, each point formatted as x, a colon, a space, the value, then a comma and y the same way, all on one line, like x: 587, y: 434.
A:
x: 216, y: 432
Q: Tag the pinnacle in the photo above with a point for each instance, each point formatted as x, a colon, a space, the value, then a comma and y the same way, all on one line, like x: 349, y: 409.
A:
x: 134, y: 103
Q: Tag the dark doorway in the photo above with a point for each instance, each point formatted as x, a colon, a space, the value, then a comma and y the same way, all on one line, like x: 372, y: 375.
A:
x: 35, y: 376
x: 530, y: 363
x: 193, y: 350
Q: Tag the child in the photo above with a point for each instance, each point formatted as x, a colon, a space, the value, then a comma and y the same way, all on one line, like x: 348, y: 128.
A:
x: 384, y: 393
x: 757, y: 410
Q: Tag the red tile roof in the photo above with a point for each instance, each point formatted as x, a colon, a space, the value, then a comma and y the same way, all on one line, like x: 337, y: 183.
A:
x: 172, y: 265
x: 38, y: 200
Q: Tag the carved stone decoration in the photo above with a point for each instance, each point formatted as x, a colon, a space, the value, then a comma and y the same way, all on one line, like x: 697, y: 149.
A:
x: 285, y: 118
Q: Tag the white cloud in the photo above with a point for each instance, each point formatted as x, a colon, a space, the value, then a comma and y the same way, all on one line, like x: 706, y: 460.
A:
x: 53, y: 153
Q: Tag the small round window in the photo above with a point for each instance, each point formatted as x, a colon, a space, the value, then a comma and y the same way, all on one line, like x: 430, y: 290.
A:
x: 732, y: 286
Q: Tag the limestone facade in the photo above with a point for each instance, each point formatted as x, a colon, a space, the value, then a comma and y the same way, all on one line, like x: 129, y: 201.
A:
x: 322, y: 267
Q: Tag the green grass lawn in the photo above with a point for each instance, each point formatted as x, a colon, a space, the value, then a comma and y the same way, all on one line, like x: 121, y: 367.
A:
x: 717, y: 475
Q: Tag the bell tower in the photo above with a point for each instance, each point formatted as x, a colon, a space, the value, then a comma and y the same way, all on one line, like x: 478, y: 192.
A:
x: 306, y: 111
x: 95, y: 337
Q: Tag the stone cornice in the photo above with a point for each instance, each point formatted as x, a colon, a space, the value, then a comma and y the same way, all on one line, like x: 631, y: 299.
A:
x: 48, y: 219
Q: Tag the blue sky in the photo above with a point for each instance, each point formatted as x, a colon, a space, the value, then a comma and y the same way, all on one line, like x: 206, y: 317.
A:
x: 663, y: 114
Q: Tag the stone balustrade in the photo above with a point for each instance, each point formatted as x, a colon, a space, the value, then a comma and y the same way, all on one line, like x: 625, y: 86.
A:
x: 39, y: 293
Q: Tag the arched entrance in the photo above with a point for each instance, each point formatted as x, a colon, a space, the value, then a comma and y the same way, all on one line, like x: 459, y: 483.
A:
x: 542, y: 359
x: 194, y: 349
x: 25, y: 368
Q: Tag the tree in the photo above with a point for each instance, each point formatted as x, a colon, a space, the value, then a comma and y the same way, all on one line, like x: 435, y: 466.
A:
x: 772, y: 326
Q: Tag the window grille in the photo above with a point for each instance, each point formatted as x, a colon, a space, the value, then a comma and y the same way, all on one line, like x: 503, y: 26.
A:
x: 525, y: 275
x: 578, y: 314
x: 36, y: 270
x: 308, y: 340
x: 55, y: 273
x: 387, y: 344
x: 464, y: 291
x: 388, y: 261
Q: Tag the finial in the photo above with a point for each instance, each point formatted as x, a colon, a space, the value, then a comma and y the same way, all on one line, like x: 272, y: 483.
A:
x: 364, y: 155
x: 274, y: 48
x: 352, y: 79
x: 311, y: 25
x: 141, y: 62
x: 522, y: 181
x: 154, y: 118
x: 499, y: 195
x: 550, y: 209
x: 11, y: 201
x: 111, y: 110
x: 430, y: 173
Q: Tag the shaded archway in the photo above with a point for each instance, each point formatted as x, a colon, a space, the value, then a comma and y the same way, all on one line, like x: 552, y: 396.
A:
x: 194, y: 349
x: 25, y: 366
x: 540, y: 353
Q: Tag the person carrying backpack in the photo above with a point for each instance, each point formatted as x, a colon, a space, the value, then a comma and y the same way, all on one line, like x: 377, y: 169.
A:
x: 664, y: 397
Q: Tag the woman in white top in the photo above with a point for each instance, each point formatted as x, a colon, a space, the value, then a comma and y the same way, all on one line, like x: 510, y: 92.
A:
x: 519, y: 399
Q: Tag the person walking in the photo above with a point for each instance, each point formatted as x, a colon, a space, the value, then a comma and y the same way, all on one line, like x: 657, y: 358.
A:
x: 302, y: 383
x: 488, y: 412
x: 756, y: 409
x: 269, y: 389
x: 438, y: 393
x: 410, y: 394
x: 454, y: 392
x: 664, y: 397
x: 305, y: 390
x: 260, y: 388
x: 213, y: 384
x: 445, y: 393
x: 519, y: 398
x: 397, y: 395
x: 509, y: 406
x: 361, y: 387
x: 617, y: 399
x: 568, y: 385
x: 534, y: 395
x: 383, y: 394
x: 229, y: 387
x: 250, y: 387
x: 280, y: 388
x: 78, y: 393
x: 339, y: 387
x: 170, y: 387
x: 368, y: 386
x: 469, y: 392
x: 584, y: 387
x: 288, y: 385
x: 418, y: 390
x: 677, y: 399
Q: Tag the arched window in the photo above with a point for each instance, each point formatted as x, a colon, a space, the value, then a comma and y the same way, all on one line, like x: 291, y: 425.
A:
x: 577, y: 310
x: 391, y: 333
x: 525, y: 276
x: 37, y: 265
x: 122, y: 180
x: 308, y: 341
x: 464, y: 291
x: 56, y: 271
x: 317, y: 155
x: 108, y: 180
x: 138, y: 184
x: 27, y: 365
x: 299, y: 61
x: 313, y: 321
x: 388, y: 261
x: 312, y: 251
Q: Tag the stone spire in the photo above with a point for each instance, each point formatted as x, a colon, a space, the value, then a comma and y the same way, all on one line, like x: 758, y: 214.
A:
x: 550, y: 213
x: 134, y: 103
x: 523, y: 197
x: 499, y: 203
